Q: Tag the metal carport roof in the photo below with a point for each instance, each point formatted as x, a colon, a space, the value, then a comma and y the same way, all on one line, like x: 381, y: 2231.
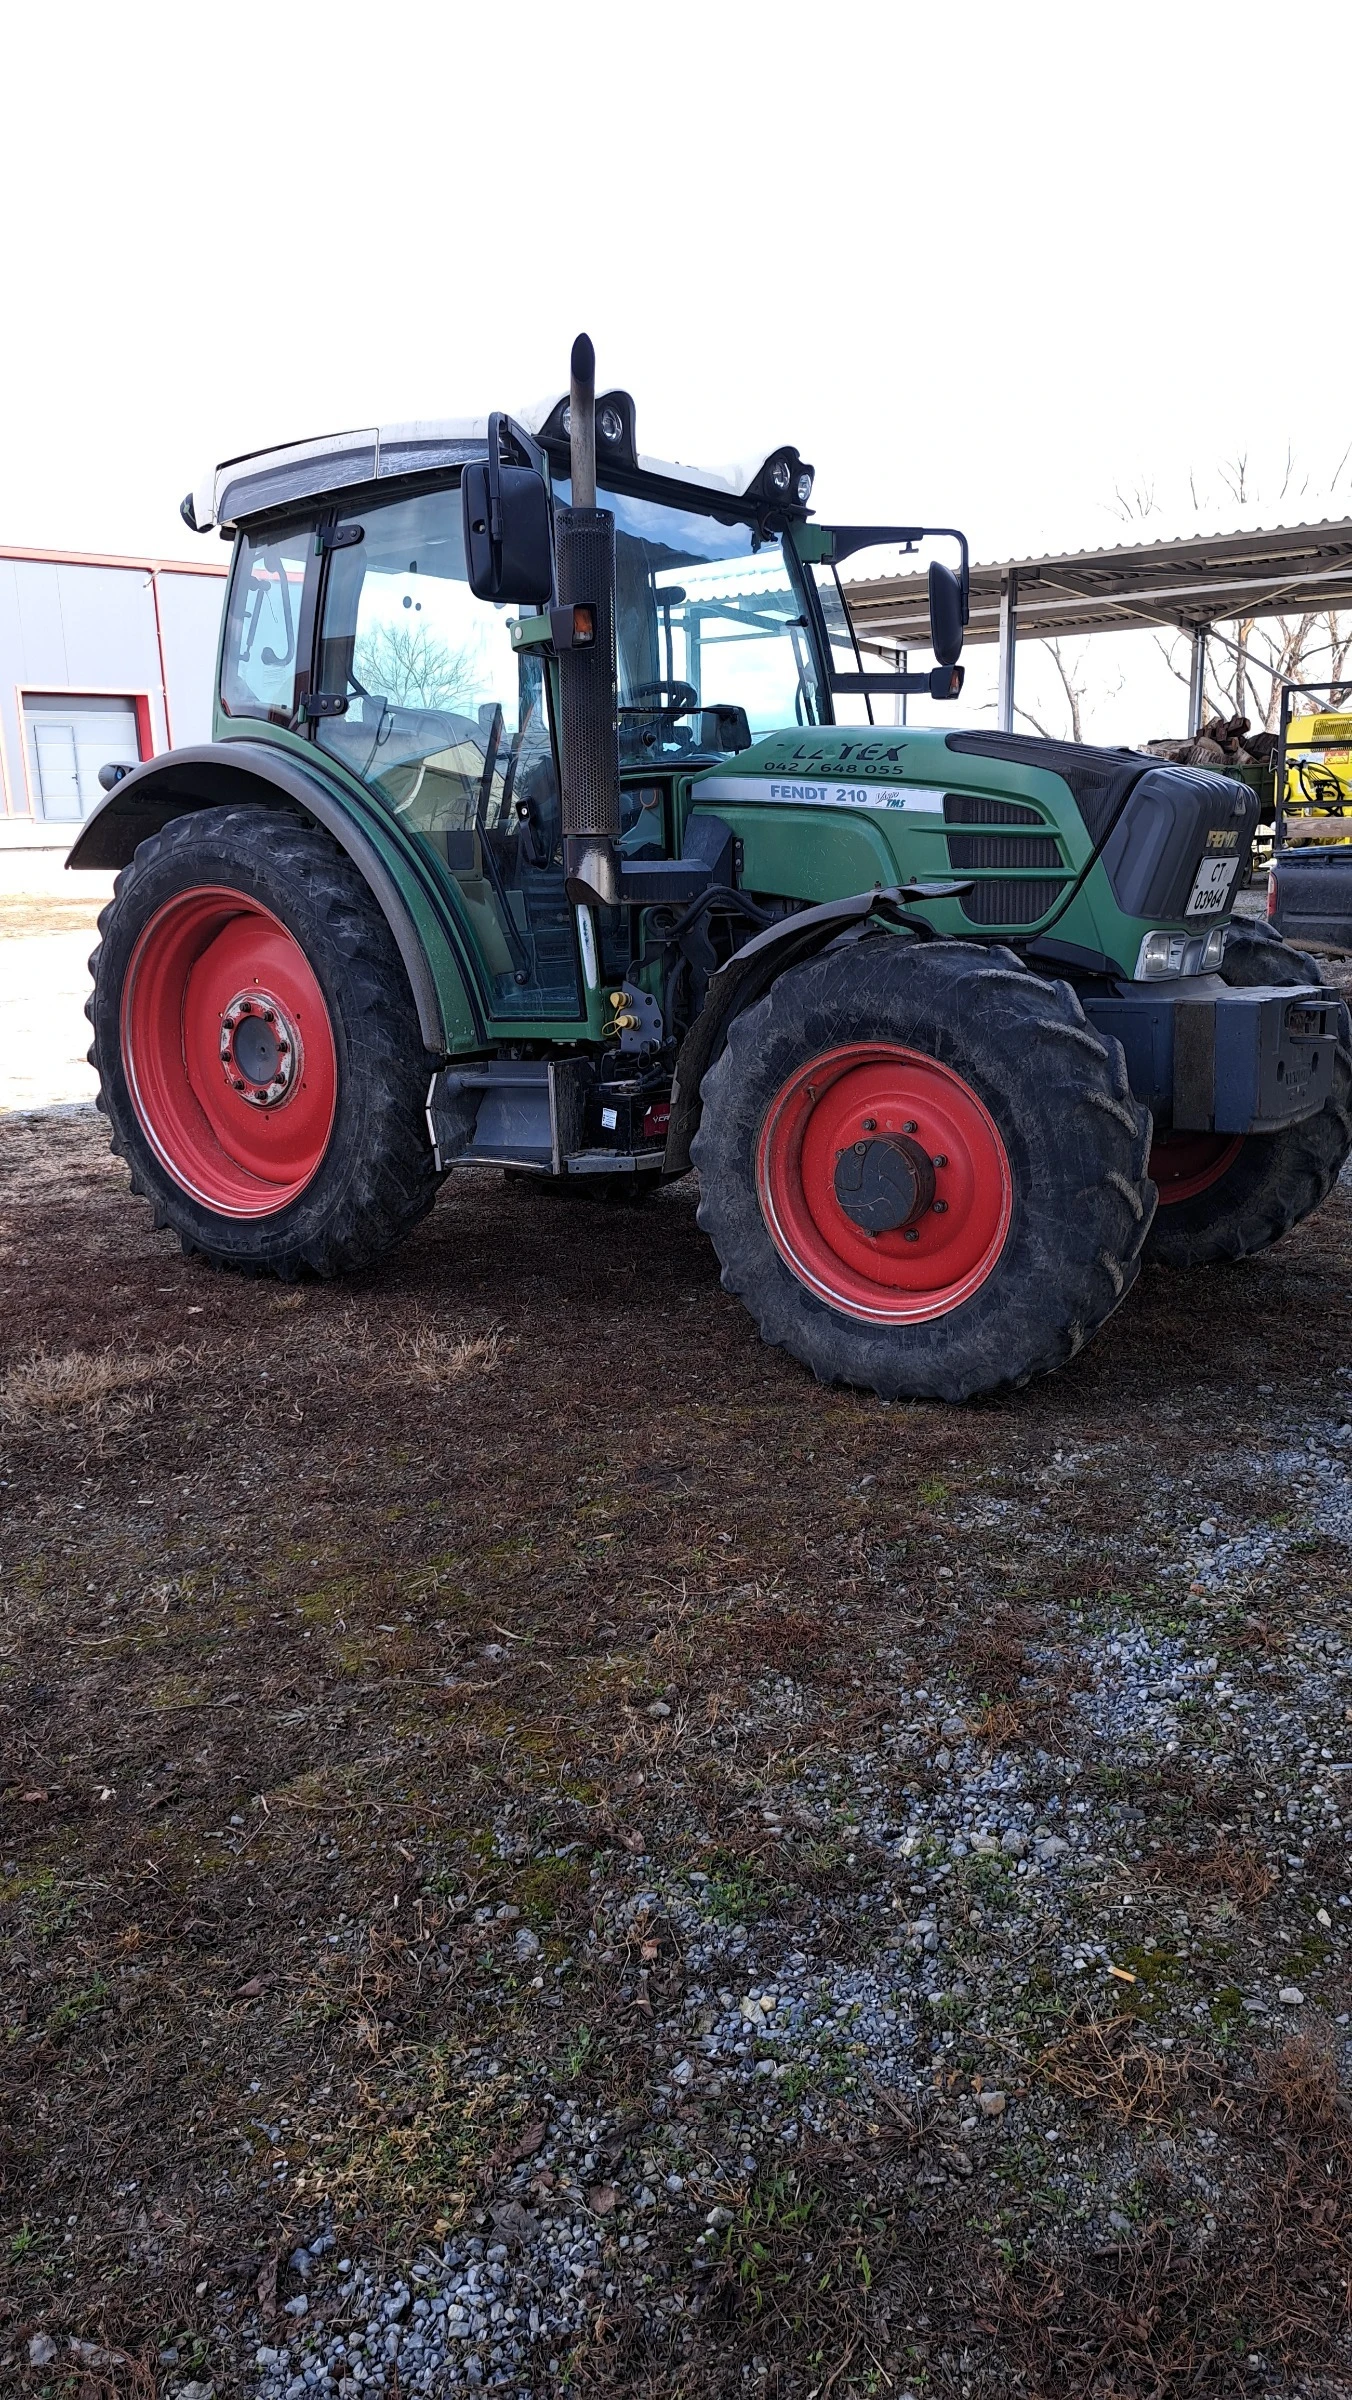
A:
x: 1188, y: 584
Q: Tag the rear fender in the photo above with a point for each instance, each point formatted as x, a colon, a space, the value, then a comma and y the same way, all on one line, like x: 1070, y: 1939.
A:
x: 241, y: 772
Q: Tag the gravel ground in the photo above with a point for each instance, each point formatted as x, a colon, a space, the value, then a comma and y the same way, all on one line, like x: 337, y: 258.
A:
x: 591, y: 1864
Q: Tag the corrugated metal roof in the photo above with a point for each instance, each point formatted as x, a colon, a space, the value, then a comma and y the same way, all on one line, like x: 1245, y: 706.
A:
x: 1277, y: 570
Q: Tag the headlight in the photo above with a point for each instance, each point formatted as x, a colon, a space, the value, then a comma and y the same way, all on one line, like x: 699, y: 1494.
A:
x: 803, y: 487
x: 609, y: 424
x: 779, y: 475
x: 1161, y: 954
x: 1180, y: 954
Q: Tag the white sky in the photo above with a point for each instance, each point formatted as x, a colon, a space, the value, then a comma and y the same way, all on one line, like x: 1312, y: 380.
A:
x: 983, y: 263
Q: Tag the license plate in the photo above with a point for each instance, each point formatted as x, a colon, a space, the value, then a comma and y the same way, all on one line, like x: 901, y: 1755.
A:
x: 1212, y: 888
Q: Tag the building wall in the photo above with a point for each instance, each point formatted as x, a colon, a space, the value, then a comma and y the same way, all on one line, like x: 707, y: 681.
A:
x: 129, y: 643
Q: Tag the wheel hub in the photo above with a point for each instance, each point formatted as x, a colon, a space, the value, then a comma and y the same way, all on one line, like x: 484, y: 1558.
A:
x: 884, y: 1184
x: 228, y: 1050
x: 260, y: 1049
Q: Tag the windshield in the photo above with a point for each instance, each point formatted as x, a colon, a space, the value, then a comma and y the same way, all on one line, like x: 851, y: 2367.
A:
x: 707, y: 620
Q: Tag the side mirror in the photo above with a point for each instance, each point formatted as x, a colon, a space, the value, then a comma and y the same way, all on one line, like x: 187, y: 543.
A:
x: 945, y: 612
x: 508, y: 551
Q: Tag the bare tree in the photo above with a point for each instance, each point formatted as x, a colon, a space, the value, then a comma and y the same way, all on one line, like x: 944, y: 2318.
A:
x: 1135, y: 503
x: 1074, y: 690
x: 1249, y: 658
x: 410, y: 665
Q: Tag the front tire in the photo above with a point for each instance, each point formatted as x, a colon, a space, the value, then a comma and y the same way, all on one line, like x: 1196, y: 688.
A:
x: 922, y: 1171
x: 257, y: 1047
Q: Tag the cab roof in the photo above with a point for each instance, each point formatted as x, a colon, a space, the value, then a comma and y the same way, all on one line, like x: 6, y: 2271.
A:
x: 262, y: 481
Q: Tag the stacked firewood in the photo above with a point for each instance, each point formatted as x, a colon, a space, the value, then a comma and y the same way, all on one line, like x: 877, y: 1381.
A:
x: 1222, y: 742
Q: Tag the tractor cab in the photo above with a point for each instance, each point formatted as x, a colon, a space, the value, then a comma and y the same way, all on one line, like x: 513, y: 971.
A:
x: 353, y: 628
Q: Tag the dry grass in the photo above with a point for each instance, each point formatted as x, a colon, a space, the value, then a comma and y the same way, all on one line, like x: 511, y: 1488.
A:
x: 90, y: 1384
x: 1105, y: 2064
x: 1158, y: 2316
x: 438, y: 1359
x: 1231, y: 1872
x: 1000, y: 1723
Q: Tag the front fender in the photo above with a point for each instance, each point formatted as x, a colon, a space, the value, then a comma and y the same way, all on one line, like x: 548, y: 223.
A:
x: 217, y: 774
x: 747, y: 975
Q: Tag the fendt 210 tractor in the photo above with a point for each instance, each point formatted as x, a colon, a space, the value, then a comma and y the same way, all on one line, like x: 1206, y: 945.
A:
x: 954, y: 1025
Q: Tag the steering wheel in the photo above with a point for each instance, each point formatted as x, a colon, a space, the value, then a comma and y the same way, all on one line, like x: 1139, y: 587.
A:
x: 684, y: 698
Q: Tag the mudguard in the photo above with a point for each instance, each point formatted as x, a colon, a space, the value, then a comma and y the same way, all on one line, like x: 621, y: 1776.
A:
x: 215, y: 774
x: 752, y: 969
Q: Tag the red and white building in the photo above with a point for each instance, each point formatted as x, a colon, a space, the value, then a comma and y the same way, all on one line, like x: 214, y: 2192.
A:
x: 101, y: 659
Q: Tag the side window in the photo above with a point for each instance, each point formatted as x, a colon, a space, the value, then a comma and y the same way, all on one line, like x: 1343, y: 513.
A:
x: 263, y: 625
x: 439, y: 706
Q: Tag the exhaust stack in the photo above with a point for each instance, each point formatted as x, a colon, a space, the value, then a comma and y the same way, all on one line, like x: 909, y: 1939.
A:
x: 588, y: 735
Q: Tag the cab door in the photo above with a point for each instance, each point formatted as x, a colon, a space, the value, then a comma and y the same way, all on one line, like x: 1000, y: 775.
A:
x: 421, y: 694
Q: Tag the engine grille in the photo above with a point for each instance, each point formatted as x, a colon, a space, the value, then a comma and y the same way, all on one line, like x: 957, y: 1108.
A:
x: 974, y: 808
x: 1010, y: 903
x: 1003, y: 850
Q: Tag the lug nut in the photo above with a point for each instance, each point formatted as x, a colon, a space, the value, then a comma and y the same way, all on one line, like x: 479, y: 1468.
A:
x: 939, y: 1160
x: 910, y: 1126
x: 870, y: 1124
x: 940, y: 1208
x: 910, y: 1235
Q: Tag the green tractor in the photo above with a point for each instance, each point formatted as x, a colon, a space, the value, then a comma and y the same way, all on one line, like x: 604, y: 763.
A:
x: 530, y: 836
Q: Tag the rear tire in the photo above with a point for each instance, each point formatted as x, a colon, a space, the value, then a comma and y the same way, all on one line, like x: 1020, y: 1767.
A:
x: 257, y: 1046
x: 1223, y: 1199
x: 1014, y: 1120
x: 1256, y: 953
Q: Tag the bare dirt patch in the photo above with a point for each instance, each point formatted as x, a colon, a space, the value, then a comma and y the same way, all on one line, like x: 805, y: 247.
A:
x: 47, y: 912
x: 507, y: 1785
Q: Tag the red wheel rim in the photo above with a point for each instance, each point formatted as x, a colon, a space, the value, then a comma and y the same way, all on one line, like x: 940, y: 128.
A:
x: 228, y: 1051
x: 1183, y: 1164
x: 853, y: 1099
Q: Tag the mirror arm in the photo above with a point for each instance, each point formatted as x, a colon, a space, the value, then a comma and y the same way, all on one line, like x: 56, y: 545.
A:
x: 531, y: 451
x: 921, y: 680
x: 846, y: 539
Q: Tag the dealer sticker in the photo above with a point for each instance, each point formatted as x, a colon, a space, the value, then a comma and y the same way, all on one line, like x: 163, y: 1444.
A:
x: 919, y: 799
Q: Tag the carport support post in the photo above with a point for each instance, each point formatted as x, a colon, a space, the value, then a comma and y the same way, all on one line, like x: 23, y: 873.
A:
x: 1197, y: 680
x: 1009, y: 635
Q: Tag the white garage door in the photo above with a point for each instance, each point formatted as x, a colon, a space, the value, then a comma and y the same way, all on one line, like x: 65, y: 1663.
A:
x: 69, y: 739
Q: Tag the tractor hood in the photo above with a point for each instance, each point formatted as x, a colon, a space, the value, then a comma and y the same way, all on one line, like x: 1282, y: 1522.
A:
x: 822, y: 812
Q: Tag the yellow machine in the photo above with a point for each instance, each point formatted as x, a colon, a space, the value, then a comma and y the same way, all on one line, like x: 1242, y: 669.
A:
x: 1318, y: 779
